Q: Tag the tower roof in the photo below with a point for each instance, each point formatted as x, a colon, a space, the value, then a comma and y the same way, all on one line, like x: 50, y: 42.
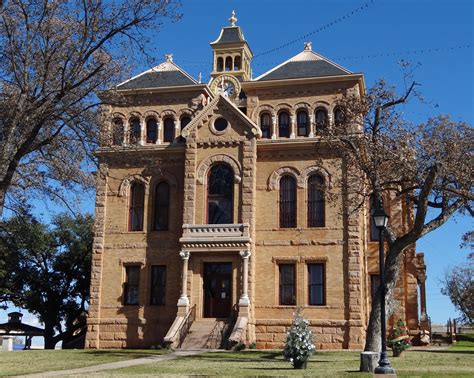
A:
x: 166, y: 74
x: 305, y: 64
x: 230, y: 34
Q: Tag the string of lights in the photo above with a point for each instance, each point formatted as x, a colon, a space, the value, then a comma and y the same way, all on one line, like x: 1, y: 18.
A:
x: 431, y: 50
x: 318, y: 30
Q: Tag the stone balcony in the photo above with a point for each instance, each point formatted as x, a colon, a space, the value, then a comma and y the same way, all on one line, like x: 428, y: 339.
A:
x: 214, y: 237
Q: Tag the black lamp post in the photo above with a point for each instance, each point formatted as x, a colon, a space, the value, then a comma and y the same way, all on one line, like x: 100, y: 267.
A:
x: 380, y: 219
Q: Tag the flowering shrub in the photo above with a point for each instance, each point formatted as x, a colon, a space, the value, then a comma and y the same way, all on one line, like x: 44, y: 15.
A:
x: 299, y: 341
x: 399, y: 338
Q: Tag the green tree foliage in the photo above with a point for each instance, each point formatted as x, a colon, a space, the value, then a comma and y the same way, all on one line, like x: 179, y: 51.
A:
x: 46, y: 270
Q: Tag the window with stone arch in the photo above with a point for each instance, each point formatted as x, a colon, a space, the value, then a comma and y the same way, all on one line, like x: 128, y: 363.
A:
x: 265, y: 125
x: 117, y: 131
x: 228, y: 63
x: 151, y: 130
x: 322, y: 120
x: 237, y: 63
x: 135, y: 207
x: 302, y: 122
x: 135, y: 130
x: 315, y: 202
x: 220, y: 64
x: 168, y: 130
x: 287, y: 202
x: 184, y: 121
x: 284, y: 124
x: 161, y: 206
x: 220, y: 194
x: 339, y: 116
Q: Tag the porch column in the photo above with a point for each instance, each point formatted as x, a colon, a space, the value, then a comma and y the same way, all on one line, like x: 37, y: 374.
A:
x: 421, y: 283
x: 183, y: 300
x: 244, y: 297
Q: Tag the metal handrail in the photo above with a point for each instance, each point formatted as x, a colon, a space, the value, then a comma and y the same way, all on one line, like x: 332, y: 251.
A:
x: 186, y: 325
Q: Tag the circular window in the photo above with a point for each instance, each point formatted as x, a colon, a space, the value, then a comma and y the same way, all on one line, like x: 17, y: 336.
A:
x: 220, y: 124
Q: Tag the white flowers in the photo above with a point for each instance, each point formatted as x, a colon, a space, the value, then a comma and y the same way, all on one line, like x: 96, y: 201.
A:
x: 299, y: 343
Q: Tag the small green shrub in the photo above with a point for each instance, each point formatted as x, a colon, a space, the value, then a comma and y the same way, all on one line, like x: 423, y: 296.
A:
x: 239, y: 347
x: 299, y: 344
x: 253, y: 345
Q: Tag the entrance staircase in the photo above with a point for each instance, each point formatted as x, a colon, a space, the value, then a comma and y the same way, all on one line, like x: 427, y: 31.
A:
x: 207, y: 333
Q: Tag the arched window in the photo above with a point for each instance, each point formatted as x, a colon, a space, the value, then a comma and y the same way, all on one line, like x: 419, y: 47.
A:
x: 220, y: 195
x: 117, y: 132
x: 339, y: 116
x: 135, y: 208
x: 220, y: 64
x: 315, y: 201
x: 161, y: 206
x: 228, y: 63
x: 284, y: 125
x: 151, y: 130
x: 265, y: 125
x: 237, y: 63
x: 135, y: 131
x: 321, y: 119
x: 168, y: 130
x: 302, y: 122
x: 287, y: 202
x: 183, y: 123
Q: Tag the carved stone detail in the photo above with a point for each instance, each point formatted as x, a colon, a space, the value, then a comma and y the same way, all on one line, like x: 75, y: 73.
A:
x: 125, y: 184
x: 206, y: 164
x: 274, y: 179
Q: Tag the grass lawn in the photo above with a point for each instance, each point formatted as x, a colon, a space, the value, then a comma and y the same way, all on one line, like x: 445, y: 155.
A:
x: 36, y: 361
x: 455, y: 363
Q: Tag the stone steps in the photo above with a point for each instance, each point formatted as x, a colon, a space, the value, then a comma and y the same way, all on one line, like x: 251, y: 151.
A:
x: 204, y: 334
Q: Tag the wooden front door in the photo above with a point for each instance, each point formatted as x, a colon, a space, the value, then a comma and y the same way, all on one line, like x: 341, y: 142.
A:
x: 217, y: 290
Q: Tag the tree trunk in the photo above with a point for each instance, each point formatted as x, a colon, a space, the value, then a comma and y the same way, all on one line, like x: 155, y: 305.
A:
x: 2, y: 201
x: 373, y: 341
x: 49, y: 339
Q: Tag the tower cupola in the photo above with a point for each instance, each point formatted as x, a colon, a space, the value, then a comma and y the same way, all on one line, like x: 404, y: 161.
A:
x: 232, y: 54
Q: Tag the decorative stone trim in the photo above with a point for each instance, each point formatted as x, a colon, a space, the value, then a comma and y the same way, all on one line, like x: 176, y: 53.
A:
x: 262, y: 109
x: 125, y: 184
x: 168, y: 112
x: 134, y: 114
x: 278, y: 259
x: 132, y: 261
x: 220, y: 158
x: 152, y: 114
x: 214, y: 130
x: 322, y: 104
x: 314, y: 169
x: 118, y: 115
x: 284, y: 106
x: 303, y: 105
x: 186, y: 112
x: 274, y: 179
x: 164, y: 176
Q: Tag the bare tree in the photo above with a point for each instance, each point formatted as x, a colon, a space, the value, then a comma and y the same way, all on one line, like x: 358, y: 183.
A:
x: 459, y: 287
x: 55, y: 54
x: 428, y: 167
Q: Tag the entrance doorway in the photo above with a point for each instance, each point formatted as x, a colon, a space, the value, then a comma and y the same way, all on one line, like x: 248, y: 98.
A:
x: 217, y: 290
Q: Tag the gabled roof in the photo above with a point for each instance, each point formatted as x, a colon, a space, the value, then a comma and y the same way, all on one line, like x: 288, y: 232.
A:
x: 306, y: 64
x: 167, y: 74
x: 208, y: 111
x: 229, y: 34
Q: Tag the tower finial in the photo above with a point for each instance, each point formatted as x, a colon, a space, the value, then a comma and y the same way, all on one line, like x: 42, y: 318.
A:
x: 169, y: 58
x: 308, y: 46
x: 232, y: 19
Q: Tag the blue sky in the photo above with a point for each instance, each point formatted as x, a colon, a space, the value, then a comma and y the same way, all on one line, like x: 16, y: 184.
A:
x: 437, y: 36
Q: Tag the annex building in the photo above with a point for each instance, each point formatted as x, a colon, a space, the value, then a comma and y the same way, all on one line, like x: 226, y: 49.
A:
x: 213, y: 215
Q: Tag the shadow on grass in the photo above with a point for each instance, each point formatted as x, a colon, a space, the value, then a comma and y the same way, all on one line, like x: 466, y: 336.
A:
x: 460, y: 351
x: 123, y: 353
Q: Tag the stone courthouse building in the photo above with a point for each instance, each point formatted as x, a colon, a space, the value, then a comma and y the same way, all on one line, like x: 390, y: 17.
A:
x: 213, y: 215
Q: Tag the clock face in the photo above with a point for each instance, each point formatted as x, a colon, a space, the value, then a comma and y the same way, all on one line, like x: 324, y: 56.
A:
x: 227, y: 88
x: 226, y: 85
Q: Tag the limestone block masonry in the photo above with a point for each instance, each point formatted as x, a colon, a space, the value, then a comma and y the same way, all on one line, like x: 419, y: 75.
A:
x: 225, y: 201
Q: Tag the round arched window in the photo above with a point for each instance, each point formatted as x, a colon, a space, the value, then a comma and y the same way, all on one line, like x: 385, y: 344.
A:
x: 220, y: 124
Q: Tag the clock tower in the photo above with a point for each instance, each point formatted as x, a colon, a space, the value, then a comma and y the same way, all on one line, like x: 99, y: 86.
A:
x: 231, y: 63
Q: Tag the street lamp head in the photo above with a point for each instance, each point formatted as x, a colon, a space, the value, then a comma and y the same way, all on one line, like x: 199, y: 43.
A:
x: 380, y: 217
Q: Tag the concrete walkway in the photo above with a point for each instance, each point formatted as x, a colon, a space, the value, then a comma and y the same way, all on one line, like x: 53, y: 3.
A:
x: 118, y: 364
